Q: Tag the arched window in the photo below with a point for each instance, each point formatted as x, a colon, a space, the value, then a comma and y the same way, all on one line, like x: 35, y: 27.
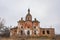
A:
x: 21, y: 32
x: 28, y: 32
x: 43, y: 32
x: 48, y: 32
x: 35, y: 32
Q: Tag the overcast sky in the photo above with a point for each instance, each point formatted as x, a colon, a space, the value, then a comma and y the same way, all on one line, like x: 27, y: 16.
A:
x: 46, y: 11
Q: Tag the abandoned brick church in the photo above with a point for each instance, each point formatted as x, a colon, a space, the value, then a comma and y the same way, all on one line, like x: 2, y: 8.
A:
x: 29, y: 27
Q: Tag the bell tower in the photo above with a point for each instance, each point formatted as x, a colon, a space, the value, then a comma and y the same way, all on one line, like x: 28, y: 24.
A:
x: 28, y: 16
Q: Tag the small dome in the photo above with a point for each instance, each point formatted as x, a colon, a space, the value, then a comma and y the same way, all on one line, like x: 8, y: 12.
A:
x: 21, y: 20
x: 35, y: 20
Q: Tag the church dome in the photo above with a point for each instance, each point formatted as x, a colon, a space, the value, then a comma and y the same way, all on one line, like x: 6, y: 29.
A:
x: 28, y: 16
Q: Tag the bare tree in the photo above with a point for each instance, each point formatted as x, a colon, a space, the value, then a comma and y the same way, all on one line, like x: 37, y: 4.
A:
x: 4, y: 30
x: 2, y: 22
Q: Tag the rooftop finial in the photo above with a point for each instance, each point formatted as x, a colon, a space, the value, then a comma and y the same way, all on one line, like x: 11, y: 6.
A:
x: 35, y: 19
x: 28, y: 10
x: 21, y: 18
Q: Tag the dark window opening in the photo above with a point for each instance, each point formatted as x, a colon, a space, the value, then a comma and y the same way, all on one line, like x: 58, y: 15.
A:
x: 28, y: 32
x: 43, y: 32
x: 48, y: 32
x: 28, y: 27
x: 21, y: 26
x: 34, y: 26
x: 21, y: 32
x: 35, y: 32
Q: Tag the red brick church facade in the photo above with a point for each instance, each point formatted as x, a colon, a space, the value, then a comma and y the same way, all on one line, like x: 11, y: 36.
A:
x: 28, y: 27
